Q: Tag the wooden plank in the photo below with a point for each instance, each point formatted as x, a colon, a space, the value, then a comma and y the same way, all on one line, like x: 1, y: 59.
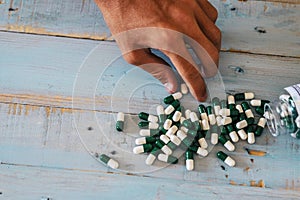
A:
x: 40, y: 183
x: 237, y: 20
x: 51, y: 83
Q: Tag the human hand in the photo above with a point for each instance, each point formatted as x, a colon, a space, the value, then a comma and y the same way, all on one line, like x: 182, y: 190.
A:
x: 138, y: 25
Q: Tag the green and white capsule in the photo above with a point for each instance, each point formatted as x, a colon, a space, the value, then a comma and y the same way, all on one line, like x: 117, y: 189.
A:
x: 177, y: 115
x: 226, y: 159
x: 148, y: 125
x: 148, y: 117
x: 161, y: 114
x: 241, y: 124
x: 165, y: 139
x: 205, y: 125
x: 183, y: 88
x: 244, y: 96
x: 163, y: 147
x: 172, y: 131
x: 149, y: 132
x: 202, y: 141
x: 211, y: 115
x: 214, y: 135
x: 239, y: 108
x: 258, y: 102
x: 226, y: 143
x: 167, y: 158
x: 172, y: 107
x: 109, y: 161
x: 195, y: 121
x: 248, y: 112
x: 167, y: 124
x: 144, y: 140
x: 202, y: 111
x: 189, y: 160
x: 172, y: 98
x: 250, y: 135
x: 152, y: 156
x: 260, y: 110
x: 230, y: 100
x: 232, y: 133
x: 225, y: 112
x: 200, y: 151
x: 216, y: 105
x: 242, y: 134
x: 260, y: 126
x: 120, y: 121
x: 142, y: 148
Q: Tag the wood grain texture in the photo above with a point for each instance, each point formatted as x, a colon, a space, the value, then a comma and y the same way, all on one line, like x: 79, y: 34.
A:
x: 45, y: 136
x: 237, y: 20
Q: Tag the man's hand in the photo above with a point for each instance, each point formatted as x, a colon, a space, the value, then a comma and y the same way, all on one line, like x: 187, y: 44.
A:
x: 167, y: 25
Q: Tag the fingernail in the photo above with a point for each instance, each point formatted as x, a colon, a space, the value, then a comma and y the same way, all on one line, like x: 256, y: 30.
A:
x: 169, y: 87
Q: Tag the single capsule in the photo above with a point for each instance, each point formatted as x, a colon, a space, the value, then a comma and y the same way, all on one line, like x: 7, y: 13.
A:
x: 260, y: 126
x: 211, y: 115
x: 232, y: 133
x: 248, y: 112
x: 171, y: 98
x: 184, y: 138
x: 189, y: 160
x: 243, y: 96
x: 167, y: 158
x: 187, y: 113
x: 230, y: 100
x: 216, y: 105
x: 225, y: 112
x: 226, y: 159
x: 226, y: 121
x: 165, y: 139
x: 120, y: 121
x: 148, y: 125
x: 109, y: 161
x: 205, y: 125
x: 243, y: 135
x: 183, y: 88
x: 161, y: 114
x: 144, y: 140
x: 177, y: 115
x: 258, y: 102
x: 142, y: 148
x: 198, y: 150
x: 160, y: 144
x: 168, y: 123
x: 172, y: 107
x: 152, y: 156
x: 241, y: 124
x: 202, y: 111
x: 214, y: 135
x: 171, y: 131
x: 176, y: 140
x: 250, y: 135
x: 226, y: 143
x: 148, y: 117
x: 202, y: 141
x: 149, y: 132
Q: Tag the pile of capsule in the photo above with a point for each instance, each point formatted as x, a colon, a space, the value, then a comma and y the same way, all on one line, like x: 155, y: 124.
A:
x: 225, y: 122
x: 288, y: 116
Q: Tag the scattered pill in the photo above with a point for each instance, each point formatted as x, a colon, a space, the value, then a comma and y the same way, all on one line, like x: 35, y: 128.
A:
x: 250, y: 135
x: 167, y: 158
x: 216, y: 105
x: 242, y: 134
x: 205, y: 125
x: 149, y: 132
x: 226, y: 143
x: 230, y: 99
x: 120, y: 121
x: 260, y: 126
x: 172, y: 107
x: 226, y: 159
x: 248, y: 112
x: 171, y: 98
x: 258, y: 102
x: 171, y: 131
x: 202, y: 111
x: 183, y: 88
x: 189, y: 160
x: 144, y: 140
x: 168, y: 123
x: 214, y: 135
x: 148, y: 125
x: 243, y: 96
x: 226, y: 121
x: 164, y: 148
x: 161, y: 113
x: 211, y: 115
x: 177, y: 115
x: 232, y: 133
x: 152, y: 156
x: 241, y: 124
x: 148, y: 117
x: 109, y: 161
x: 142, y: 148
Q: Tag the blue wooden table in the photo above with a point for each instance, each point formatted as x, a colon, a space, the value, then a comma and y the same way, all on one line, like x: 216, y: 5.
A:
x: 62, y: 81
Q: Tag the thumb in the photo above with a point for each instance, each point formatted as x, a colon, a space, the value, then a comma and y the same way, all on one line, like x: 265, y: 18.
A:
x: 154, y: 65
